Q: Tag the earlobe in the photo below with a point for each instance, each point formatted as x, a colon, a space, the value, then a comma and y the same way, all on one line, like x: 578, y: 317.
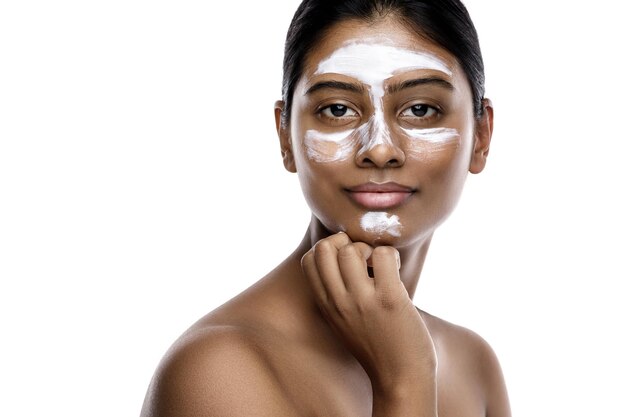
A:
x: 286, y: 149
x: 482, y: 138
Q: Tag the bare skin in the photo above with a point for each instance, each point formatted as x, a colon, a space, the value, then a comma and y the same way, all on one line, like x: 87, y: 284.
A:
x: 318, y: 336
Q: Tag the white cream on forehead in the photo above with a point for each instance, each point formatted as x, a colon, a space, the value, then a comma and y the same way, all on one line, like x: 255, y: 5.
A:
x: 380, y: 223
x: 372, y: 64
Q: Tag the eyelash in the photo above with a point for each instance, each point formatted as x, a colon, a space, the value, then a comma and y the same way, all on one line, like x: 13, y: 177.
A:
x: 431, y: 112
x: 327, y: 112
x: 425, y: 117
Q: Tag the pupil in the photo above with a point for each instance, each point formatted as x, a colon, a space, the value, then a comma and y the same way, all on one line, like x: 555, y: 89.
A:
x: 419, y: 110
x: 338, y: 110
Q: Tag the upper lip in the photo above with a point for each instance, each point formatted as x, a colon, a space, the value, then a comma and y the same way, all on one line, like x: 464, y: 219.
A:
x: 387, y: 187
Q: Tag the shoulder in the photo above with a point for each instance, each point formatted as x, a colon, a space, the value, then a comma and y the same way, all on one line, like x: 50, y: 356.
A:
x: 215, y: 370
x: 467, y: 355
x: 462, y: 342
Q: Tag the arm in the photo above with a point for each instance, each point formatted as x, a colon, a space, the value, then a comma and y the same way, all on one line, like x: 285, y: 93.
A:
x: 376, y: 320
x: 473, y: 369
x: 418, y: 400
x: 496, y: 393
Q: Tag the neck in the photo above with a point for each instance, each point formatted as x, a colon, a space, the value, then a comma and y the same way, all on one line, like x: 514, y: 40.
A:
x: 412, y: 256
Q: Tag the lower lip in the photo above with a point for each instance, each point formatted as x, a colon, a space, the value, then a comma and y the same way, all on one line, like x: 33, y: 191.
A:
x: 380, y: 200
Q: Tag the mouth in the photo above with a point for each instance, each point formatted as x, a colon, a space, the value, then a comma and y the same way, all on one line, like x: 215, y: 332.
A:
x: 374, y: 196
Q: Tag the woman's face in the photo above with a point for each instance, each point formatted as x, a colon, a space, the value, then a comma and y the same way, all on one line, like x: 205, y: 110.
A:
x: 382, y: 133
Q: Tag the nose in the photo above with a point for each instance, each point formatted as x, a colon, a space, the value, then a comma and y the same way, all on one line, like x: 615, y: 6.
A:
x: 383, y: 153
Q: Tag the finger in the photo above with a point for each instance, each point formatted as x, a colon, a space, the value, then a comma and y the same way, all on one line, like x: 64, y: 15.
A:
x: 385, y: 263
x: 353, y: 268
x: 364, y: 249
x: 366, y: 252
x: 310, y: 271
x: 325, y: 252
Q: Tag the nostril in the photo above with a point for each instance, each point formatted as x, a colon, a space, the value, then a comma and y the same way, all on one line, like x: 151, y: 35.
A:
x: 381, y: 156
x: 390, y: 163
x: 368, y: 162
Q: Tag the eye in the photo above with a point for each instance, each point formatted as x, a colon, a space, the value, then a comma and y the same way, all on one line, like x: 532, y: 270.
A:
x: 423, y: 111
x: 338, y: 110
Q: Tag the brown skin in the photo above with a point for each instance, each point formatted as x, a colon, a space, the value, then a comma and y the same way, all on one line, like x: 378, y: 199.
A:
x: 317, y: 336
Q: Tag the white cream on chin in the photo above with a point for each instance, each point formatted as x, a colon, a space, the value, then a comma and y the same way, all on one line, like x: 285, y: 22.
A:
x: 371, y: 64
x: 380, y: 223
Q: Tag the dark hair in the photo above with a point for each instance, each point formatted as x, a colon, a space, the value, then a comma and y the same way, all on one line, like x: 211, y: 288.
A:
x: 445, y: 22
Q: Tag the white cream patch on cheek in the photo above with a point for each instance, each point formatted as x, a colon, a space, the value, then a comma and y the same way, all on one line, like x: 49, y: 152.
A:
x: 380, y: 223
x: 372, y: 64
x: 329, y: 147
x: 424, y: 141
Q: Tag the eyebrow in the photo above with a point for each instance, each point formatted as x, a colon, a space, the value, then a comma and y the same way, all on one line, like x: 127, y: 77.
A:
x: 336, y: 85
x: 394, y: 88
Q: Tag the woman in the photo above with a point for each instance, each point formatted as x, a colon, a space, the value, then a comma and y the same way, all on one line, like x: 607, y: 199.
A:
x: 382, y: 117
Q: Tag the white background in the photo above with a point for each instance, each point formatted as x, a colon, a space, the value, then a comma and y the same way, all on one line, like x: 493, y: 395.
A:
x: 141, y: 186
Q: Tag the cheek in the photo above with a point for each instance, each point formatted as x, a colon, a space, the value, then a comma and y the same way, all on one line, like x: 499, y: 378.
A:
x: 446, y: 167
x: 317, y: 179
x: 329, y: 147
x: 430, y: 145
x: 442, y: 152
x: 320, y: 187
x: 437, y: 158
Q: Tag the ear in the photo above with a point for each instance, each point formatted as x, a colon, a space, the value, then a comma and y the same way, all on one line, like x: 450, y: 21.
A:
x: 482, y: 138
x: 286, y: 149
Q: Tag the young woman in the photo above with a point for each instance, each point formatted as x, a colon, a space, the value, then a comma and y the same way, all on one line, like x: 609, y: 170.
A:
x: 382, y: 117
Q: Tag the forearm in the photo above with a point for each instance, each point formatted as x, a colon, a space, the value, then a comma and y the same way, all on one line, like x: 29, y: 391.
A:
x: 416, y: 400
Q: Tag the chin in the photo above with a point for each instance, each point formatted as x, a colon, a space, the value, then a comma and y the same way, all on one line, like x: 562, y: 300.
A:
x: 357, y: 233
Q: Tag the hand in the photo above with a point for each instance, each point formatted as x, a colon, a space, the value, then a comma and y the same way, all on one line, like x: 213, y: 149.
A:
x: 374, y: 317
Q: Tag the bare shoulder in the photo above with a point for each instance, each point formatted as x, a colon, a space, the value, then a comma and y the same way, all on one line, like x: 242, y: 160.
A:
x: 215, y: 371
x: 466, y: 355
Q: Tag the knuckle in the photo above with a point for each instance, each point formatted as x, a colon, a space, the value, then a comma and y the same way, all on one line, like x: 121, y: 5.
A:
x: 347, y: 252
x: 342, y: 238
x: 364, y: 249
x: 323, y: 247
x: 307, y: 264
x: 385, y: 251
x: 307, y: 259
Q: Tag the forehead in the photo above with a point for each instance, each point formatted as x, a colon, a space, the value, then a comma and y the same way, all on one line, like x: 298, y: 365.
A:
x: 381, y: 60
x: 382, y: 48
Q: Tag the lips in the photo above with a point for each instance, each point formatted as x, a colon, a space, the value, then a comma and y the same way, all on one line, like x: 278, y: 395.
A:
x: 379, y: 196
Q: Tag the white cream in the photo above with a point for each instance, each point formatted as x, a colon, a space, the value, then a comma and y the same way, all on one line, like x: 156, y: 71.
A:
x: 371, y: 64
x: 329, y: 147
x: 380, y: 223
x: 433, y: 135
x: 431, y: 140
